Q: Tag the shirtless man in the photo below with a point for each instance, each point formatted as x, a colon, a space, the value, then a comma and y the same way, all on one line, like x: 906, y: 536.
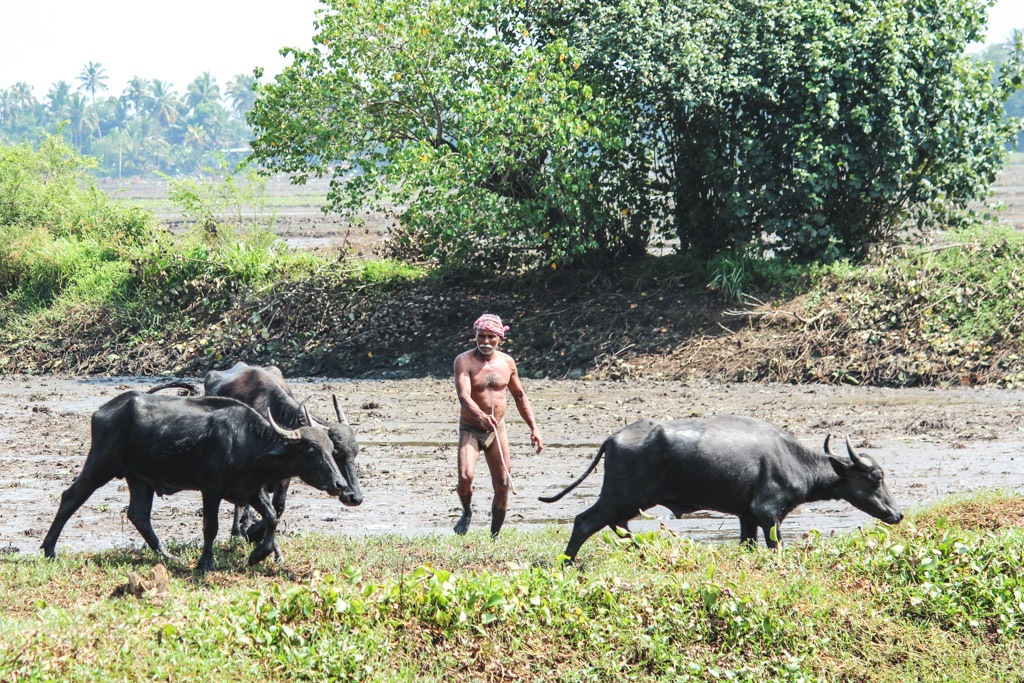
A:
x: 482, y: 376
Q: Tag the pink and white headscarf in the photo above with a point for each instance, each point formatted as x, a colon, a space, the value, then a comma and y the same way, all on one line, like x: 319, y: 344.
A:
x: 489, y: 322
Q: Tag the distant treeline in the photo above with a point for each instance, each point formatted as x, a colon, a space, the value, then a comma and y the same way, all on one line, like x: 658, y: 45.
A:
x: 148, y: 128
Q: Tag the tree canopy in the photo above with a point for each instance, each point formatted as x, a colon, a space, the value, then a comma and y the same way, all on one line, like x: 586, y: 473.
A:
x: 479, y: 132
x: 511, y: 132
x: 810, y: 127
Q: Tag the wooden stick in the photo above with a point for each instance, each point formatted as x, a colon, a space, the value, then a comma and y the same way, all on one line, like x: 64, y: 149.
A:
x: 501, y: 453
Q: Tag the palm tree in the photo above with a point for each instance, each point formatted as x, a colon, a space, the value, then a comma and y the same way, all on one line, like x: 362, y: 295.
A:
x: 202, y: 90
x: 165, y: 105
x: 240, y: 91
x: 93, y: 78
x: 6, y: 104
x: 137, y: 93
x: 58, y: 99
x: 78, y: 114
x: 22, y: 96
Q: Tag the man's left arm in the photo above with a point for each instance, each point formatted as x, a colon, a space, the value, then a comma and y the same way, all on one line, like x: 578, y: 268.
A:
x: 515, y: 387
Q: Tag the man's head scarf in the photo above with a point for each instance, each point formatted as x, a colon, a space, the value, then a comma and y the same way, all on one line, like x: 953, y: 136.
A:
x: 489, y: 322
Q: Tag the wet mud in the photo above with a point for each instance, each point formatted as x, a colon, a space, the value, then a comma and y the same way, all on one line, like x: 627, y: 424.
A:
x: 933, y: 443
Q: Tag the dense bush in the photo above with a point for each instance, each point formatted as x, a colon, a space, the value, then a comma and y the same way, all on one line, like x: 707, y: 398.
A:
x: 511, y: 134
x: 809, y: 128
x: 68, y: 252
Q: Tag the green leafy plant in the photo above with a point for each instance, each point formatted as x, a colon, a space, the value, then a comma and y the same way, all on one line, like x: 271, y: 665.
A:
x: 473, y: 123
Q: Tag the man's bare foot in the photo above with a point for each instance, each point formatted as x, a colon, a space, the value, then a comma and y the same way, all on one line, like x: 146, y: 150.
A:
x: 462, y: 526
x: 497, y: 519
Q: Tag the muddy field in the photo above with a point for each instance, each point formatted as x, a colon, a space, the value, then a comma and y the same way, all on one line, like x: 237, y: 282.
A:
x: 933, y: 444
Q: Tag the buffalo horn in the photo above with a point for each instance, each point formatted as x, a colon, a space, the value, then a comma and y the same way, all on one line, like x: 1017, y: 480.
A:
x: 828, y: 450
x: 289, y: 434
x: 341, y: 416
x: 311, y: 419
x: 861, y: 461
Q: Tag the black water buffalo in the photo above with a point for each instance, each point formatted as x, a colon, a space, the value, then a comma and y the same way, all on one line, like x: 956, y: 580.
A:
x: 265, y: 389
x: 736, y: 465
x: 218, y: 446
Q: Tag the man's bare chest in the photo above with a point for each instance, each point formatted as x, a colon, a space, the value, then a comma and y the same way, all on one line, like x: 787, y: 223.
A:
x: 490, y: 379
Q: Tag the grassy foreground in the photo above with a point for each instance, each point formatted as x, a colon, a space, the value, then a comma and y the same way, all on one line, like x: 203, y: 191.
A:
x: 940, y: 597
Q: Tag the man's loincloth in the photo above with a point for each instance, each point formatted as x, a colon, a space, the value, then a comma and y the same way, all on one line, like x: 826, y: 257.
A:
x: 483, y: 438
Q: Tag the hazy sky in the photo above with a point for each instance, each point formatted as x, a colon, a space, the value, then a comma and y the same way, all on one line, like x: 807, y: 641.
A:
x: 45, y: 41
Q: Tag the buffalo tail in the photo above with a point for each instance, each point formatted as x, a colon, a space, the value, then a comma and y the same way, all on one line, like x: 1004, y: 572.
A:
x: 570, y: 487
x: 191, y: 388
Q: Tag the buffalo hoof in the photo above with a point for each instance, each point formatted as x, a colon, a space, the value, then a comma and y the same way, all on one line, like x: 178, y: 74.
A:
x: 462, y: 526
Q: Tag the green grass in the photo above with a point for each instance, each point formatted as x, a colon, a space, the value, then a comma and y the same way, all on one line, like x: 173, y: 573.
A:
x: 933, y: 599
x: 71, y: 257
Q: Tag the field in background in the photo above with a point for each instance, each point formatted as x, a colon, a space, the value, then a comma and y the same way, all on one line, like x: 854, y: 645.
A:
x: 296, y: 208
x: 302, y: 224
x: 1009, y: 190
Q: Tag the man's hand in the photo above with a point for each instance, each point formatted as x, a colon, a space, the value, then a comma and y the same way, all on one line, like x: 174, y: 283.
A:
x: 536, y: 441
x: 487, y: 422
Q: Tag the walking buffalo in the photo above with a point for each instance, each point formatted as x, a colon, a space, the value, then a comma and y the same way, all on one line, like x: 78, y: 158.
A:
x: 735, y: 465
x: 265, y: 389
x: 218, y: 446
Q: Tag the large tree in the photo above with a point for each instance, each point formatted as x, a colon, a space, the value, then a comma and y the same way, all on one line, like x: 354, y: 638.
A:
x: 202, y: 90
x: 58, y: 99
x: 813, y: 127
x: 164, y: 105
x: 137, y: 95
x: 455, y: 114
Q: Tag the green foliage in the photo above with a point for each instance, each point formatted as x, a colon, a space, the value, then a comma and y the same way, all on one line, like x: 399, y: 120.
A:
x: 956, y: 579
x: 70, y: 258
x: 48, y: 187
x: 656, y: 608
x: 822, y: 125
x: 955, y: 302
x: 998, y: 54
x: 222, y: 202
x: 746, y: 275
x: 480, y: 130
x: 59, y: 235
x: 516, y: 134
x: 146, y: 129
x: 387, y: 271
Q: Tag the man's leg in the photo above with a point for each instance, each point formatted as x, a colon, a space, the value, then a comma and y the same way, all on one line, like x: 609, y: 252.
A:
x: 469, y: 453
x: 500, y: 463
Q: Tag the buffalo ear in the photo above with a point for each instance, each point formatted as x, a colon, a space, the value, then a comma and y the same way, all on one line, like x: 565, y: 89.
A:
x: 839, y: 466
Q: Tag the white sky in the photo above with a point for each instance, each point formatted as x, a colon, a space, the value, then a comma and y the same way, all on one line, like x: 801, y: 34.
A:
x: 45, y: 41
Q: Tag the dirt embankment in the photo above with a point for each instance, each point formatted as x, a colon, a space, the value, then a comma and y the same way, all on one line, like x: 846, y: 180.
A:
x: 636, y: 321
x: 616, y: 324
